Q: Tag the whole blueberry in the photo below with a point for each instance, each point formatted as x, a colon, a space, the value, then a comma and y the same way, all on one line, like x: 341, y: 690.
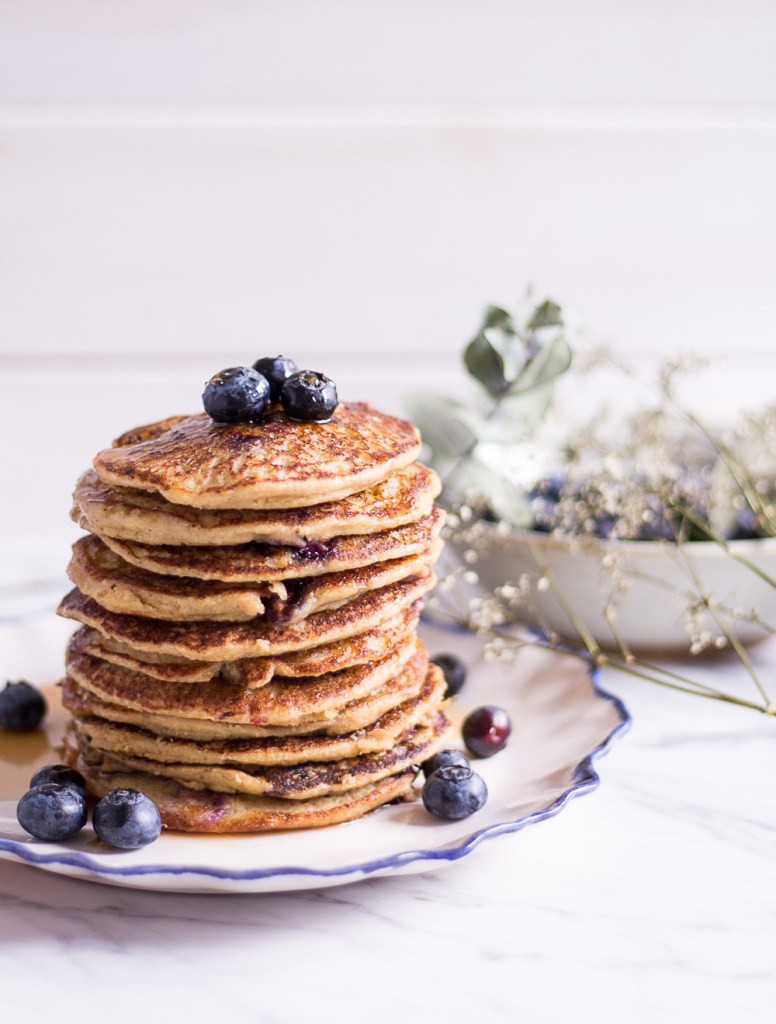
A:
x: 236, y: 395
x: 22, y: 707
x: 486, y: 730
x: 443, y: 759
x: 309, y: 395
x: 52, y: 813
x: 454, y: 671
x: 59, y: 775
x: 277, y: 370
x: 454, y: 792
x: 126, y: 819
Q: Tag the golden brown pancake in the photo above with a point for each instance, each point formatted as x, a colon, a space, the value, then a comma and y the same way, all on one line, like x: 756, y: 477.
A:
x: 116, y: 738
x: 404, y: 497
x: 275, y: 463
x: 216, y: 641
x: 258, y: 563
x: 190, y: 810
x: 372, y: 645
x: 123, y: 588
x: 280, y: 702
x: 349, y: 718
x: 294, y: 782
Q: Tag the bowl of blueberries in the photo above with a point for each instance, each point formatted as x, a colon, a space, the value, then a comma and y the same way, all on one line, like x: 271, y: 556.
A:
x: 636, y: 569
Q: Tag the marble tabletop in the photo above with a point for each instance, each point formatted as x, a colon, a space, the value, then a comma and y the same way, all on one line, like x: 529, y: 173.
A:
x: 651, y: 899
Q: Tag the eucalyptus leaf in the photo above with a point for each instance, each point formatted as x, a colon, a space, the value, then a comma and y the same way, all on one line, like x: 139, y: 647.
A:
x: 449, y: 428
x: 547, y: 314
x: 508, y: 502
x: 552, y: 360
x: 495, y: 316
x: 486, y: 364
x: 519, y: 416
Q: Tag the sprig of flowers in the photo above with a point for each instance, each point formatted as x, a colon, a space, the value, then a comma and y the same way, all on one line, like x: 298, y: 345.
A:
x: 669, y: 476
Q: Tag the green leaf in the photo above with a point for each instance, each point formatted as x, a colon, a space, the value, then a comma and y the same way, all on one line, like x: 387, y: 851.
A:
x: 519, y: 416
x: 552, y: 360
x: 446, y: 426
x: 495, y: 316
x: 474, y: 480
x: 547, y: 314
x: 486, y: 364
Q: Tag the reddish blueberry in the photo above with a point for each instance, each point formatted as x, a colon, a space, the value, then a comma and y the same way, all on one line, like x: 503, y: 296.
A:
x: 486, y: 730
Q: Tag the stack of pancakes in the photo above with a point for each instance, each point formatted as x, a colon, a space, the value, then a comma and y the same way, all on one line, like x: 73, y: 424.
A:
x: 249, y: 596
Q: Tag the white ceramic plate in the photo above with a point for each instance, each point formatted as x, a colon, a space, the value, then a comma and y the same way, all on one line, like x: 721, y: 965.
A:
x: 562, y: 722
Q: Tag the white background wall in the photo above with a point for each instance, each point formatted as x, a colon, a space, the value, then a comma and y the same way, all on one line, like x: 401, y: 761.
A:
x: 188, y: 184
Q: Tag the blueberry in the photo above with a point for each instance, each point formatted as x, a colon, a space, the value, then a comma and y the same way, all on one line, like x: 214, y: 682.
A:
x: 746, y: 526
x: 443, y: 759
x: 52, y: 813
x: 126, y: 819
x: 22, y: 707
x: 59, y: 775
x: 454, y: 671
x: 236, y: 395
x: 314, y: 550
x: 603, y: 526
x: 454, y: 792
x: 309, y: 395
x: 486, y: 730
x: 277, y: 371
x: 550, y: 488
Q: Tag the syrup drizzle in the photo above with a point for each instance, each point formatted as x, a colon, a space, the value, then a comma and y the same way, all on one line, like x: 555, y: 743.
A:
x: 22, y: 753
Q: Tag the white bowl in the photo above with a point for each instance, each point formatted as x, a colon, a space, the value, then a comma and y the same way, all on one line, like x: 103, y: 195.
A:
x: 661, y: 582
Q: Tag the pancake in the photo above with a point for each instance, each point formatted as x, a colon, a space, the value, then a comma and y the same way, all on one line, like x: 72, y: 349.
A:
x: 203, y: 811
x: 346, y: 719
x: 404, y: 497
x: 373, y: 645
x: 115, y: 738
x: 275, y: 463
x: 215, y: 641
x: 277, y: 703
x: 296, y: 782
x: 259, y: 563
x: 123, y: 588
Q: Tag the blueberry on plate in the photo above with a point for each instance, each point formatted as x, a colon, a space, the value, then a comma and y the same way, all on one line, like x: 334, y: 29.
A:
x: 236, y: 395
x: 444, y: 758
x: 59, y: 775
x: 126, y: 819
x: 454, y: 792
x: 277, y: 370
x: 486, y: 730
x: 309, y: 395
x: 22, y: 707
x: 52, y: 813
x: 454, y: 671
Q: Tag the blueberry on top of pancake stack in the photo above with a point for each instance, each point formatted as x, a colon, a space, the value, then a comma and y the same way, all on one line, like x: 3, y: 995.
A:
x: 248, y: 594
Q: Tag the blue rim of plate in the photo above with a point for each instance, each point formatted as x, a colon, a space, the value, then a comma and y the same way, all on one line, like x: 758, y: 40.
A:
x: 585, y: 780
